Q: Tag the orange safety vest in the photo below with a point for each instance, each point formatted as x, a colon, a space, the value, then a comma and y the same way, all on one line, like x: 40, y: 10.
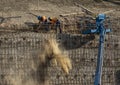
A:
x: 44, y: 18
x: 53, y: 20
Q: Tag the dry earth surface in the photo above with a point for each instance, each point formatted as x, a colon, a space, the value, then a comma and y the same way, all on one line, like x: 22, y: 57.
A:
x: 19, y: 50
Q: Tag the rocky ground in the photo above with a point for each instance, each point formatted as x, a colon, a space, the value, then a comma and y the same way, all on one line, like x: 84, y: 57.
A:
x: 20, y: 10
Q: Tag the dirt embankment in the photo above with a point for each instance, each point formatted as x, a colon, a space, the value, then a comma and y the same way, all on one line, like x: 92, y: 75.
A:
x: 14, y: 14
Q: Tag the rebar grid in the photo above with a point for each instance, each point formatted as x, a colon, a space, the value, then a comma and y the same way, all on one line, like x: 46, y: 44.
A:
x: 19, y: 50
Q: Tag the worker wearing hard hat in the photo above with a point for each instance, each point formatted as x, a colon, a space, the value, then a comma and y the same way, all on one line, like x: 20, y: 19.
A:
x: 56, y: 22
x: 43, y: 21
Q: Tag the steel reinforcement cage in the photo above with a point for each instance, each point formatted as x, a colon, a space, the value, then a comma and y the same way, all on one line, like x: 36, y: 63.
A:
x: 18, y: 51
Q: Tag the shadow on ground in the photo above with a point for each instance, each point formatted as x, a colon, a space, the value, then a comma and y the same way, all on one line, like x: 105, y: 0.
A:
x: 35, y: 27
x: 75, y: 41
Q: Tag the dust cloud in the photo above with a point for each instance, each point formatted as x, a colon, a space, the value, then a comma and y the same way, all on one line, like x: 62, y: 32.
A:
x: 38, y: 73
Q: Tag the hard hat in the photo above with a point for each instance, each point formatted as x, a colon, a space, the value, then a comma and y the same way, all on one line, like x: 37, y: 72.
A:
x: 50, y: 18
x: 44, y: 17
x: 39, y: 17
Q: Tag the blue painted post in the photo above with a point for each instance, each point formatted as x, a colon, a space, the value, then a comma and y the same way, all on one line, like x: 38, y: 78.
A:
x: 102, y: 31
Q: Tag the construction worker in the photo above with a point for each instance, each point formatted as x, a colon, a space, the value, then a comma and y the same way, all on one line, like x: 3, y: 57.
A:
x: 43, y: 21
x: 55, y: 22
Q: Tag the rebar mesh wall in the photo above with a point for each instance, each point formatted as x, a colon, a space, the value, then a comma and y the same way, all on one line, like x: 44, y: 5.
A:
x: 18, y: 51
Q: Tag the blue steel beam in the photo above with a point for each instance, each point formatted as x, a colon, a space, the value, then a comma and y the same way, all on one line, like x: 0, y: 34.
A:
x: 102, y: 31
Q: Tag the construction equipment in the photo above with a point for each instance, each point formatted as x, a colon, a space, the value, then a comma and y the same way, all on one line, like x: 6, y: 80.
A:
x: 102, y: 31
x: 33, y: 14
x: 38, y: 17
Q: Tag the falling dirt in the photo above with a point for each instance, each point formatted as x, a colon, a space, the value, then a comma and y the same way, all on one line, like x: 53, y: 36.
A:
x: 51, y: 54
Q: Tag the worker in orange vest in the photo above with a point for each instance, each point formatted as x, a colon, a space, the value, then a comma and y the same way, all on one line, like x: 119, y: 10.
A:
x: 56, y: 22
x: 43, y: 21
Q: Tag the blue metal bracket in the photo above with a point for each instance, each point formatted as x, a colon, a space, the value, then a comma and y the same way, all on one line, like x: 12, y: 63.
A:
x: 102, y: 31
